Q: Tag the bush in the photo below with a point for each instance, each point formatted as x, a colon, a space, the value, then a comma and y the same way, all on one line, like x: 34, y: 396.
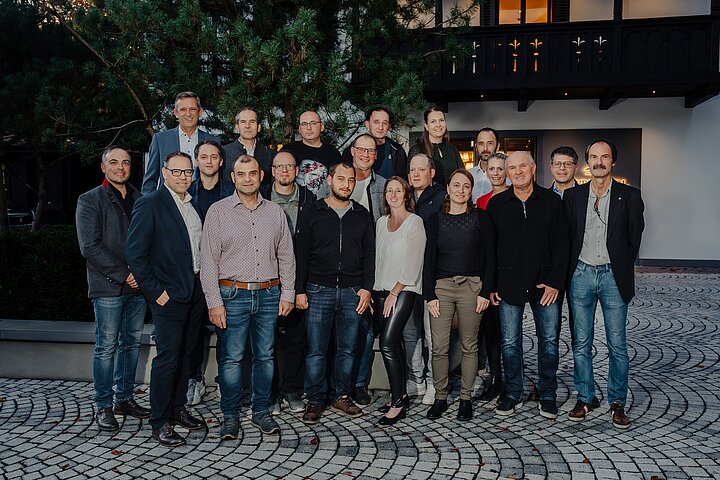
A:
x: 42, y: 275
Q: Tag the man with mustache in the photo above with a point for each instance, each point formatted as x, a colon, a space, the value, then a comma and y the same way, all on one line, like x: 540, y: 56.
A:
x: 605, y: 220
x: 486, y: 144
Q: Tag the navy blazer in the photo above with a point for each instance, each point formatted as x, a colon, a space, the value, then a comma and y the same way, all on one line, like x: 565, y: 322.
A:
x: 624, y: 231
x: 158, y: 248
x: 162, y: 145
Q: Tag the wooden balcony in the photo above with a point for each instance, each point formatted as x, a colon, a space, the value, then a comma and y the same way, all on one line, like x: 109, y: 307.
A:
x: 606, y: 60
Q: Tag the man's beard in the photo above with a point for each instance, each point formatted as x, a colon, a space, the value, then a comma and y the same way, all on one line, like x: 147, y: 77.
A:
x: 286, y: 182
x: 339, y: 196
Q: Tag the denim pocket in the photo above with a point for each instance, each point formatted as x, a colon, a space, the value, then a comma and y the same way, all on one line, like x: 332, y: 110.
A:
x: 274, y: 291
x: 228, y: 293
x: 313, y: 288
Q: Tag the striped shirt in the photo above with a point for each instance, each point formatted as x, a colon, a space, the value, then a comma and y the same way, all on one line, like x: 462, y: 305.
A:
x: 246, y: 245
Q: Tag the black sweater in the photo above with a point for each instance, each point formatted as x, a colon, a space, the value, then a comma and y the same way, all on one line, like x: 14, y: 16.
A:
x: 335, y: 252
x: 459, y: 245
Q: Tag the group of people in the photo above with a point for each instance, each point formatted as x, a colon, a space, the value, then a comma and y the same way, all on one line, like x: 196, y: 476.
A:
x: 304, y: 257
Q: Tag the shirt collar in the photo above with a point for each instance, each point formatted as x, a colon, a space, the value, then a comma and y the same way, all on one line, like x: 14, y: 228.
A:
x: 183, y: 134
x: 177, y: 198
x: 295, y: 197
x: 237, y: 201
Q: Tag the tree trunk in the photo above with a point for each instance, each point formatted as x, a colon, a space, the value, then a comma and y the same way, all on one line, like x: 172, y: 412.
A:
x: 42, y: 195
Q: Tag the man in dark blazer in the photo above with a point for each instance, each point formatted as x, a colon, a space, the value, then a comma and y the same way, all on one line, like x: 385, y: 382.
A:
x: 605, y: 221
x: 163, y: 252
x: 247, y: 125
x: 182, y: 138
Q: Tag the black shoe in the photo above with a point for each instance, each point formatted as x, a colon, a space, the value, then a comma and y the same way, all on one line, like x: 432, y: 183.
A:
x: 493, y: 391
x: 508, y: 406
x: 105, y: 420
x: 548, y: 409
x: 186, y: 420
x: 405, y: 402
x: 465, y: 410
x: 392, y: 421
x: 361, y: 396
x: 130, y: 407
x: 437, y: 409
x: 167, y: 436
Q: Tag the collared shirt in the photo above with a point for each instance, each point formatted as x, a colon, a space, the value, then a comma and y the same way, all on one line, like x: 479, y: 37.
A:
x: 594, y: 247
x: 249, y: 151
x: 555, y: 189
x: 188, y: 143
x: 126, y: 203
x: 289, y: 203
x: 192, y: 223
x: 246, y: 245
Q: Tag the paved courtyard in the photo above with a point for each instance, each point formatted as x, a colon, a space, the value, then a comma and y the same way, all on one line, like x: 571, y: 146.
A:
x: 47, y: 429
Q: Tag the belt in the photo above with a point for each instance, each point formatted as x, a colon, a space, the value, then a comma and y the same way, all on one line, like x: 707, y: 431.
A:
x: 250, y: 285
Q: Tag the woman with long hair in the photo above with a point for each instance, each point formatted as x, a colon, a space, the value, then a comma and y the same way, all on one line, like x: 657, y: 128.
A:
x: 399, y: 252
x: 458, y: 278
x: 436, y: 145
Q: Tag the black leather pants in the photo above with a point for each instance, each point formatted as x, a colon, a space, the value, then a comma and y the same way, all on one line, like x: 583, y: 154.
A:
x: 391, y: 341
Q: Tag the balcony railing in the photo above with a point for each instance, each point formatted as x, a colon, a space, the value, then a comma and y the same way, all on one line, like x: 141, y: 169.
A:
x: 675, y: 56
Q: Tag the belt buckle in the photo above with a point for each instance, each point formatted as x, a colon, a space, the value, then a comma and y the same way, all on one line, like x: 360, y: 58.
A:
x: 254, y: 286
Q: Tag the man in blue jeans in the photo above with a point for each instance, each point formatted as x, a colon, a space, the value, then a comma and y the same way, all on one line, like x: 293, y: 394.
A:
x: 102, y: 218
x: 532, y: 252
x: 605, y: 220
x: 248, y: 276
x: 335, y: 273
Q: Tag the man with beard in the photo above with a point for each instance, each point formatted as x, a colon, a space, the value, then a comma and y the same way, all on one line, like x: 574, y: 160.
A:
x: 486, y: 143
x: 390, y: 158
x: 335, y: 275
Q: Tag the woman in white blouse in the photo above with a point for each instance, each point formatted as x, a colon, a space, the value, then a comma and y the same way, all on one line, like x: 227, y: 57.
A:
x: 399, y: 252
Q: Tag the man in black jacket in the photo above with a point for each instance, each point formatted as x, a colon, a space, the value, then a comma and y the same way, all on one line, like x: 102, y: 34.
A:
x: 605, y: 219
x: 247, y: 125
x: 532, y: 252
x: 102, y: 218
x: 335, y: 274
x: 391, y: 158
x: 290, y: 335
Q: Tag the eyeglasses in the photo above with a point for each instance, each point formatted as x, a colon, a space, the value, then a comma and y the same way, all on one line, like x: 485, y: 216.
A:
x: 563, y: 164
x: 597, y: 210
x: 285, y: 166
x: 395, y: 190
x: 309, y: 124
x: 176, y: 172
x: 366, y: 151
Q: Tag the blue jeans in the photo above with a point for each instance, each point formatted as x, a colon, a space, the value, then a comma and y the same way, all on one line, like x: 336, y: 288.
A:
x: 546, y: 324
x: 330, y: 306
x: 588, y: 285
x: 252, y: 313
x: 119, y: 326
x: 364, y: 350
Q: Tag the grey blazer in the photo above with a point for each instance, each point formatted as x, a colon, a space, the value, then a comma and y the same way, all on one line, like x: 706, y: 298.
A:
x: 102, y: 229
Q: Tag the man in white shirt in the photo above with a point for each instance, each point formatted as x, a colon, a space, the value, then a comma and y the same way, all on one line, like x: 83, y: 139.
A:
x: 486, y: 143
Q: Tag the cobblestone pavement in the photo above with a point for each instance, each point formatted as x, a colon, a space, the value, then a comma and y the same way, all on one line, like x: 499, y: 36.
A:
x: 47, y: 429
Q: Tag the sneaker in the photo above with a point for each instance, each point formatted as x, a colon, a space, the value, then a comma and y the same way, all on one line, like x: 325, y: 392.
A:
x: 230, y: 429
x: 361, y: 396
x: 619, y: 418
x: 508, y: 406
x: 276, y: 408
x: 313, y: 412
x: 548, y: 408
x: 429, y: 397
x: 345, y: 406
x: 265, y: 423
x: 190, y: 392
x: 415, y: 389
x: 294, y: 402
x: 198, y: 392
x: 580, y: 411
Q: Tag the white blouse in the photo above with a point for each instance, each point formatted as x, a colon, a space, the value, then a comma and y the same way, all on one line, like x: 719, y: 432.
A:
x: 399, y: 255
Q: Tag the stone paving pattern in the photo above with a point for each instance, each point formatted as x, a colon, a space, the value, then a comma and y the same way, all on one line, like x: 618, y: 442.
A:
x: 47, y: 429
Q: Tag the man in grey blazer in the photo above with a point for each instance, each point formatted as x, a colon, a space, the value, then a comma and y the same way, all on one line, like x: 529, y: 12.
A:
x: 103, y: 218
x: 183, y: 138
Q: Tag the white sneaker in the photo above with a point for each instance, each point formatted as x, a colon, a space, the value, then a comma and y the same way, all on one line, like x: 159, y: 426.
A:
x: 198, y: 391
x: 276, y: 408
x: 415, y: 389
x: 429, y: 397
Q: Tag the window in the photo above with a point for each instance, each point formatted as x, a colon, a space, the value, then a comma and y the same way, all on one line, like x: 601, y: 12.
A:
x: 523, y: 11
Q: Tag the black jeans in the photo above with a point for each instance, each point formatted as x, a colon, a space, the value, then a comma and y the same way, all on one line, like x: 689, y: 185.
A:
x: 290, y: 353
x: 490, y: 326
x: 392, y: 346
x: 177, y: 326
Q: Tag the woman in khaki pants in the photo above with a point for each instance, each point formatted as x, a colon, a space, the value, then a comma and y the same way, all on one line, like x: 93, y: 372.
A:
x: 458, y: 278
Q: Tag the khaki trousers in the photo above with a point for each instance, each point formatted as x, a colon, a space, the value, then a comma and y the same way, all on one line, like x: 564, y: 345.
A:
x: 456, y: 295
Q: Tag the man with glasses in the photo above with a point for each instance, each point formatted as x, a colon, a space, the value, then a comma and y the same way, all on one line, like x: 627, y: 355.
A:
x: 182, y: 138
x: 248, y: 276
x: 605, y: 220
x: 247, y: 126
x: 391, y: 158
x: 563, y: 165
x: 163, y: 252
x: 290, y: 335
x: 313, y: 156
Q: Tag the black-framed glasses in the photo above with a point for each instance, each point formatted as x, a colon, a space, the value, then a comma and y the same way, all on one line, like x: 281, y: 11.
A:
x: 176, y: 172
x: 309, y: 124
x: 596, y: 207
x: 285, y: 166
x: 563, y: 164
x: 366, y: 151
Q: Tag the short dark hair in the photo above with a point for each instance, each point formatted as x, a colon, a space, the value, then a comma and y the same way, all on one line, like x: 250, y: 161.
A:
x: 246, y: 109
x: 177, y: 154
x: 613, y: 148
x: 408, y: 197
x: 188, y: 94
x: 214, y: 144
x: 565, y: 150
x: 103, y: 156
x: 491, y: 130
x: 378, y: 108
x: 332, y: 169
